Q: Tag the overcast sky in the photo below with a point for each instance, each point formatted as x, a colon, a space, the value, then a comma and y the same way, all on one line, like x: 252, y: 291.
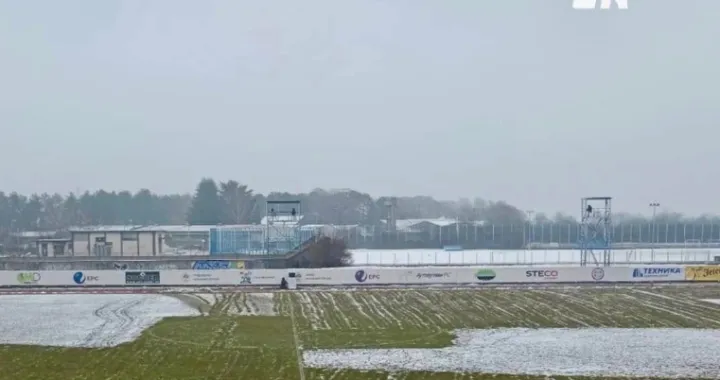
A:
x: 527, y: 101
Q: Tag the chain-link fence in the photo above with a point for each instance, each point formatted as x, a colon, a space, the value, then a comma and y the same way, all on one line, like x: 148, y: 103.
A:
x: 529, y: 235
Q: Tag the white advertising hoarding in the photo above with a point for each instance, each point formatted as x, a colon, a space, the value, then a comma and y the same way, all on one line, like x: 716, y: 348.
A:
x: 346, y: 276
x: 226, y: 277
x: 62, y: 278
x: 319, y: 276
x: 655, y: 273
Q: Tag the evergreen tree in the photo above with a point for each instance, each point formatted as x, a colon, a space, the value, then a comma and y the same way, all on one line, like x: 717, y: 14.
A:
x: 207, y: 206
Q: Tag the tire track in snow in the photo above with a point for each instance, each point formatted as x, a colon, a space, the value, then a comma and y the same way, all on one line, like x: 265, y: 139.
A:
x: 115, y: 317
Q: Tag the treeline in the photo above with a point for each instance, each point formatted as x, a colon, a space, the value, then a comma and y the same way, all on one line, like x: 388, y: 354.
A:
x: 231, y: 202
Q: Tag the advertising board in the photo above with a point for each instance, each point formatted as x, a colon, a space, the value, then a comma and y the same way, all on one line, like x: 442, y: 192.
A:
x: 373, y: 276
x: 519, y: 275
x: 703, y: 273
x: 320, y: 277
x: 362, y: 276
x: 265, y: 277
x: 657, y: 273
x: 196, y: 278
x: 217, y: 264
x: 142, y: 277
x: 61, y: 278
x: 429, y: 276
x: 96, y: 278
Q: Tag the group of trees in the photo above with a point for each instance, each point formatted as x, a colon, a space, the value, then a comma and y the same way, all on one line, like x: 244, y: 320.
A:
x: 231, y: 202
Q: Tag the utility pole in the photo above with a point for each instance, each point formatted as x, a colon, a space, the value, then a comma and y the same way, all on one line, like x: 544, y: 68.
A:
x: 653, y: 240
x: 531, y: 223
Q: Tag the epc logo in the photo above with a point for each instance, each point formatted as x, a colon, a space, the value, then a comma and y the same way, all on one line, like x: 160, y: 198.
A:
x: 362, y: 276
x: 80, y: 278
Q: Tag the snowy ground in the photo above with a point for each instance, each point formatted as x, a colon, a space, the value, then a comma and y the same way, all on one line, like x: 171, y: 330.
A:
x: 575, y: 331
x: 242, y: 304
x: 83, y: 320
x: 570, y: 352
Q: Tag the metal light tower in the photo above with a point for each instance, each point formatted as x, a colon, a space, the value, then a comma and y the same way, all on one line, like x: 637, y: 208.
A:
x: 596, y: 230
x: 653, y: 239
x: 282, y: 226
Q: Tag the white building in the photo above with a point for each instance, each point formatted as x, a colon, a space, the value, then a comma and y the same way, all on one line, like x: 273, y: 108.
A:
x: 116, y: 241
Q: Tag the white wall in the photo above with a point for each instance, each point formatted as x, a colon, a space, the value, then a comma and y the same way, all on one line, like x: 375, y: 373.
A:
x: 126, y: 243
x: 360, y: 277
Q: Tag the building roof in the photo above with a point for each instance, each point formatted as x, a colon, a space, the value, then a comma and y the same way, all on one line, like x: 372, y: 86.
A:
x: 33, y: 234
x: 405, y: 224
x: 152, y: 228
x: 409, y: 224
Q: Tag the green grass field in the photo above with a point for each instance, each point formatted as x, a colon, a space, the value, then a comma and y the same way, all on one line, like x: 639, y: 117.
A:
x: 220, y: 346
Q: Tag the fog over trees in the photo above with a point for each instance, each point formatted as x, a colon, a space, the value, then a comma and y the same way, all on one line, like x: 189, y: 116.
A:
x: 232, y: 202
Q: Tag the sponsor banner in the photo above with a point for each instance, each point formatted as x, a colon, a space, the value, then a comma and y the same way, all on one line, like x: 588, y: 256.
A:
x: 217, y: 278
x: 484, y: 275
x: 61, y: 278
x: 703, y: 273
x: 543, y: 274
x: 142, y: 278
x: 658, y: 274
x: 204, y: 277
x: 598, y: 274
x: 319, y: 277
x: 29, y: 278
x: 259, y: 277
x: 430, y: 276
x: 372, y: 276
x: 217, y: 264
x: 361, y: 276
x: 520, y: 275
x: 82, y: 278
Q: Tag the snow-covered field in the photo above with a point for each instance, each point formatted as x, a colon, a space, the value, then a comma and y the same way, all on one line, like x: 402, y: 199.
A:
x: 666, y: 331
x: 243, y: 304
x: 525, y: 257
x: 83, y: 320
x: 571, y: 352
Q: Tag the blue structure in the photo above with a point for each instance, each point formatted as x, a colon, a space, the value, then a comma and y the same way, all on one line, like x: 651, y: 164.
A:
x: 241, y: 240
x: 279, y: 233
x: 252, y: 240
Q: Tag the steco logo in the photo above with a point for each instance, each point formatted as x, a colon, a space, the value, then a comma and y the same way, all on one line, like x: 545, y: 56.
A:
x: 362, y: 276
x: 80, y: 278
x: 544, y: 274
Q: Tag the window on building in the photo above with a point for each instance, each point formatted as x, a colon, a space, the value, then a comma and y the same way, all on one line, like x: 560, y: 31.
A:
x: 130, y: 236
x: 59, y: 249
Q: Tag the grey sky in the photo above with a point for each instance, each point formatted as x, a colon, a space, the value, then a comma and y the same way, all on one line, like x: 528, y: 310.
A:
x: 526, y: 101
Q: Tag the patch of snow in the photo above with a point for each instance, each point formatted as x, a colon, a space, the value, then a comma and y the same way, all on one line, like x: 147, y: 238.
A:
x: 83, y: 320
x: 208, y: 298
x: 255, y: 304
x: 569, y: 352
x: 715, y: 301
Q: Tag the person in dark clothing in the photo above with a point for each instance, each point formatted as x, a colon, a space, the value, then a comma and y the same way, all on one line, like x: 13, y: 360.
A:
x: 283, y: 283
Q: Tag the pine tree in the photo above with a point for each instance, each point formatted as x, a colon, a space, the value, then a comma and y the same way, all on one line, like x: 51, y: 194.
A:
x: 207, y: 206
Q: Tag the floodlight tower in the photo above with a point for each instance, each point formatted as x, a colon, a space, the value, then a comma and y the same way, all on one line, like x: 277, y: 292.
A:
x: 282, y: 226
x: 596, y: 230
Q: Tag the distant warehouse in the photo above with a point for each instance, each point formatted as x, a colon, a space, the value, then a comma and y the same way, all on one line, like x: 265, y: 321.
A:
x: 136, y: 240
